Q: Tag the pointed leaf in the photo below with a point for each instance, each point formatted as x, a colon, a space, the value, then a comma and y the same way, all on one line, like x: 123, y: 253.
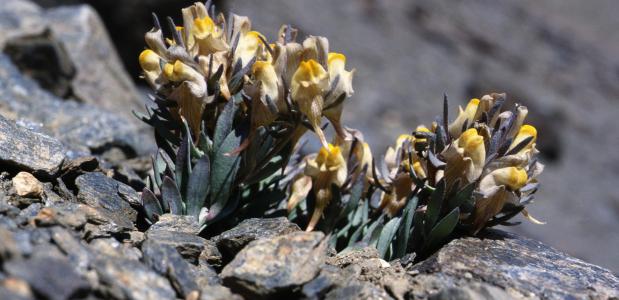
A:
x: 151, y: 206
x: 198, y: 185
x: 441, y: 231
x: 434, y: 206
x: 224, y: 123
x: 183, y: 164
x: 462, y: 196
x: 386, y: 236
x: 223, y: 174
x: 404, y: 231
x: 171, y: 194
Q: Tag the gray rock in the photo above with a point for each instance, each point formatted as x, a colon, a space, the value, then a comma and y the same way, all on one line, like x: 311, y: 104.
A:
x: 82, y: 128
x: 217, y: 292
x: 477, y: 291
x: 74, y: 249
x: 15, y: 288
x: 330, y: 277
x: 9, y: 247
x: 211, y: 256
x: 232, y: 241
x: 69, y: 214
x: 130, y: 279
x: 365, y: 265
x: 522, y: 267
x: 178, y: 223
x: 361, y: 290
x: 190, y: 246
x: 113, y: 248
x: 19, y: 18
x: 166, y: 261
x: 100, y: 78
x: 30, y: 151
x: 102, y: 193
x: 273, y: 267
x: 49, y: 277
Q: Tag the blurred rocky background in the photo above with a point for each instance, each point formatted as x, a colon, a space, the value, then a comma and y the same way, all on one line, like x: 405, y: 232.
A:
x: 558, y: 57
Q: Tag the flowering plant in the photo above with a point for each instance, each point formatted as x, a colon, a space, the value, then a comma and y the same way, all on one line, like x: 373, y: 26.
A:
x: 229, y: 110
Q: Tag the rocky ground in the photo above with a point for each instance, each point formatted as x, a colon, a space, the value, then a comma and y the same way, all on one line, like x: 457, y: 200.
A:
x: 70, y: 225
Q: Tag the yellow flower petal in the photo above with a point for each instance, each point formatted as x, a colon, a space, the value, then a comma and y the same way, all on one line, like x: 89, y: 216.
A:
x: 513, y: 178
x: 149, y: 60
x: 469, y: 115
x: 525, y: 132
x: 203, y: 27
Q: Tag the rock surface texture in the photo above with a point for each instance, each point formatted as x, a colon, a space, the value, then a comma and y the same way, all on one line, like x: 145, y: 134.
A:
x: 96, y: 115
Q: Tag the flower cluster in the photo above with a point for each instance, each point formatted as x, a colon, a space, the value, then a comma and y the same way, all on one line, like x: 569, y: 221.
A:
x: 491, y: 152
x: 229, y: 110
x: 306, y: 74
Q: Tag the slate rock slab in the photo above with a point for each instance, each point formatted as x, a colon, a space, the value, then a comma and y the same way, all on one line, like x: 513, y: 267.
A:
x: 184, y: 277
x: 103, y: 193
x: 361, y: 290
x: 523, y: 267
x: 100, y: 77
x: 43, y: 275
x: 232, y: 241
x: 274, y: 267
x: 27, y: 150
x: 178, y: 223
x: 188, y: 245
x: 82, y: 128
x: 130, y: 279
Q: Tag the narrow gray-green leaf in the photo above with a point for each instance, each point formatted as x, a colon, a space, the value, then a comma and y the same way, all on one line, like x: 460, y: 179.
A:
x: 171, y: 194
x: 386, y: 236
x: 151, y: 206
x: 462, y: 196
x: 224, y: 123
x: 183, y: 164
x: 404, y: 232
x: 434, y: 206
x: 442, y: 230
x: 198, y: 186
x: 223, y: 173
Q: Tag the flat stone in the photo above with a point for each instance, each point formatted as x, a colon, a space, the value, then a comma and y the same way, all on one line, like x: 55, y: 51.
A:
x: 9, y: 247
x: 232, y: 241
x: 82, y: 128
x: 522, y: 267
x: 476, y: 291
x: 27, y: 185
x: 217, y: 292
x: 274, y: 267
x: 178, y: 223
x: 102, y: 192
x: 18, y: 18
x: 361, y: 290
x: 130, y: 279
x: 15, y: 289
x: 190, y: 246
x: 100, y: 77
x: 113, y: 248
x: 330, y: 277
x: 27, y: 150
x: 50, y: 277
x: 166, y: 261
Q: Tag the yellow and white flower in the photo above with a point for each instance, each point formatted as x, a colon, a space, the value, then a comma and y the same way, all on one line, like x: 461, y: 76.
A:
x: 308, y: 85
